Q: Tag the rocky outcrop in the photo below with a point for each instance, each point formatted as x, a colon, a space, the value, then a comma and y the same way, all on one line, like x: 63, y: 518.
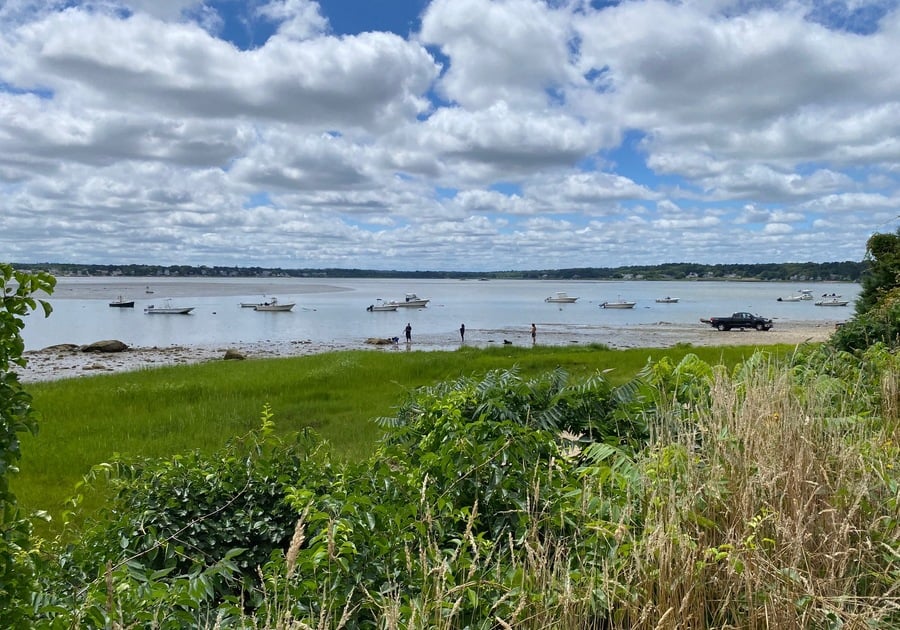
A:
x: 232, y: 354
x: 107, y: 345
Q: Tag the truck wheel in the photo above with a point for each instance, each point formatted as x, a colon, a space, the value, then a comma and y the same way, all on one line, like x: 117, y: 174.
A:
x: 721, y: 327
x: 760, y: 327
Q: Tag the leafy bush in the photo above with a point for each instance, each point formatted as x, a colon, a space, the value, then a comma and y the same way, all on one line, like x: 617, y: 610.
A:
x: 879, y: 324
x: 16, y: 416
x: 199, y: 524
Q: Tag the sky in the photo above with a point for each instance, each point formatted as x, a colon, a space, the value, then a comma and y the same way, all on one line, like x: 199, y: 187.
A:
x: 467, y: 135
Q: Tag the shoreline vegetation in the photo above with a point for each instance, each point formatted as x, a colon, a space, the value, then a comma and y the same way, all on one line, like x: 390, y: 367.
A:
x: 738, y: 488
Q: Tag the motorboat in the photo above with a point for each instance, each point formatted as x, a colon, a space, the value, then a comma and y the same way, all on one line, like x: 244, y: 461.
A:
x: 274, y: 305
x: 667, y: 300
x: 381, y: 305
x: 561, y: 298
x: 620, y: 303
x: 801, y: 296
x: 411, y: 301
x: 121, y: 302
x: 832, y: 301
x: 168, y: 309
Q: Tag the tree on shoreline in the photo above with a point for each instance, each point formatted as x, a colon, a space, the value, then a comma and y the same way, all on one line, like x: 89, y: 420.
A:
x: 877, y: 318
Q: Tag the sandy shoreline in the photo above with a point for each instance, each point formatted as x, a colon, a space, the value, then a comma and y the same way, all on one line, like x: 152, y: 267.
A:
x: 68, y: 361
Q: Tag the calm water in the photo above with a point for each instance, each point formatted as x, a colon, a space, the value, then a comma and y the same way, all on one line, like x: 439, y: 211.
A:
x: 334, y: 310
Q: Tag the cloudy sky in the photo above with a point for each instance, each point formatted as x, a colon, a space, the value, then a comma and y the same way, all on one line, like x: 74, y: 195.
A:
x: 447, y: 134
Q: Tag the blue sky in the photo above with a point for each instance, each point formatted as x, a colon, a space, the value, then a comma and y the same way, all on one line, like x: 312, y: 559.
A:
x: 450, y: 134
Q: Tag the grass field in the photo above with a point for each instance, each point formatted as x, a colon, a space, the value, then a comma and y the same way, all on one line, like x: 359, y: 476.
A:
x: 169, y: 410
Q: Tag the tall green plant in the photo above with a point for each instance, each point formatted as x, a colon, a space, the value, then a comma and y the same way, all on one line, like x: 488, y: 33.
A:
x: 16, y: 416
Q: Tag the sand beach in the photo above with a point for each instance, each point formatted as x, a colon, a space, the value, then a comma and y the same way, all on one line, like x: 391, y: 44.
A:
x: 69, y: 361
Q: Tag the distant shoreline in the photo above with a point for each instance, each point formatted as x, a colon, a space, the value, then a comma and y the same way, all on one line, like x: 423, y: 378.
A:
x: 800, y: 272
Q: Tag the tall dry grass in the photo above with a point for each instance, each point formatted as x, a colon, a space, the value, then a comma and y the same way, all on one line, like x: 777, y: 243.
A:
x: 772, y: 507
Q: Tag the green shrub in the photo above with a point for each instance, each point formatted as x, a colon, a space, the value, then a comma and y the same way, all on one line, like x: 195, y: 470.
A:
x: 879, y: 324
x: 16, y: 417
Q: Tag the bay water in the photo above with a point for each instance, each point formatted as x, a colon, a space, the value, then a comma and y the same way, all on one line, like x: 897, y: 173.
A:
x: 333, y: 310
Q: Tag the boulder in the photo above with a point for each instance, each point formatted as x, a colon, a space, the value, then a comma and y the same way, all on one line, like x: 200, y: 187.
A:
x: 232, y: 354
x: 108, y: 345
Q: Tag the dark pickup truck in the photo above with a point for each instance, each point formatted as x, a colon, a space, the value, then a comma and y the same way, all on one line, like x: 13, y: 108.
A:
x: 739, y: 320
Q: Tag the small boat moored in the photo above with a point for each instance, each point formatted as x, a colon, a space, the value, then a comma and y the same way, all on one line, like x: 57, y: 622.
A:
x: 274, y: 305
x: 411, y: 301
x: 561, y: 298
x: 832, y: 301
x: 620, y: 303
x: 168, y: 309
x: 667, y: 300
x: 381, y: 305
x: 121, y: 302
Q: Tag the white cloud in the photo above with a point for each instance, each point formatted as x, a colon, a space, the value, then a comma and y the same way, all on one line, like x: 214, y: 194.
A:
x: 510, y: 51
x: 507, y: 133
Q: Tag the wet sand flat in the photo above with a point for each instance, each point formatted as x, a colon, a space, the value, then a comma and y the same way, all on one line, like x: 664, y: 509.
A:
x: 68, y: 361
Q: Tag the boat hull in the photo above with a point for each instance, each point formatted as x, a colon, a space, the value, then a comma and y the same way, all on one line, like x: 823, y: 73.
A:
x: 273, y: 308
x: 169, y: 311
x: 619, y: 305
x: 560, y: 298
x: 122, y: 304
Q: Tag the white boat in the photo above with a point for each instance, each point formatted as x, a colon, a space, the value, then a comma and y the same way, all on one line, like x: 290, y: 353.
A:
x: 792, y: 298
x: 381, y: 305
x: 667, y: 300
x: 561, y: 298
x: 620, y: 303
x: 832, y: 301
x: 168, y: 309
x: 274, y: 305
x: 411, y: 301
x: 806, y: 294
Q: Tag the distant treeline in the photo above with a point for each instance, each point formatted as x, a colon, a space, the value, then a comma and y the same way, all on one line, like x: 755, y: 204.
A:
x: 847, y: 271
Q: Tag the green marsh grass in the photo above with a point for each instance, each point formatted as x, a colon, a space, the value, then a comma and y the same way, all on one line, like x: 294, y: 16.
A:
x: 168, y: 410
x: 771, y: 503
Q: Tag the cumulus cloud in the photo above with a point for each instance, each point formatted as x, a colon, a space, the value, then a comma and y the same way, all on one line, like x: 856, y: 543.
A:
x: 522, y: 132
